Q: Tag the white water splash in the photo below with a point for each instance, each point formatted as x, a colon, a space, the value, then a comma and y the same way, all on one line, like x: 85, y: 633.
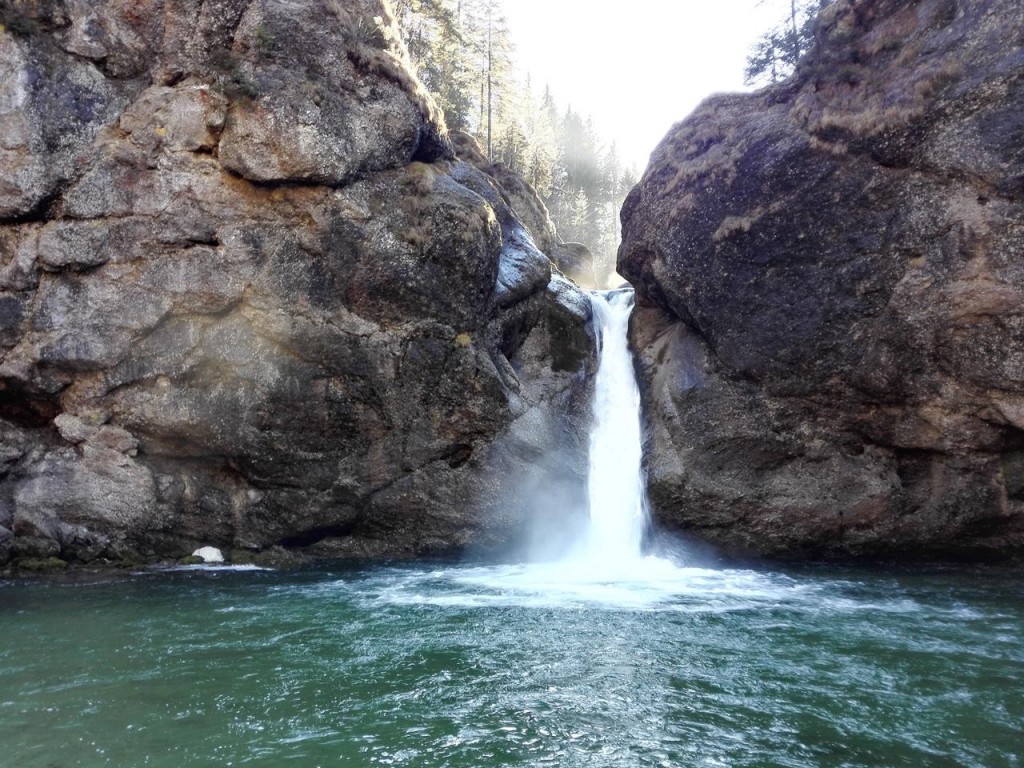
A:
x: 650, y: 584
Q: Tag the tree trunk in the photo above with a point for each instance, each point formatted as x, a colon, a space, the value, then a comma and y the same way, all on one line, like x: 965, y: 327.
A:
x: 489, y: 82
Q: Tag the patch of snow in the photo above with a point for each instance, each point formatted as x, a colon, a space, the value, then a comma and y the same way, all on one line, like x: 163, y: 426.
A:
x: 209, y: 554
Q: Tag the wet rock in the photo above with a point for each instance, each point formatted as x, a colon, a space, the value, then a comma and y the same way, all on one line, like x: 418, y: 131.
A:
x: 831, y: 294
x: 27, y: 548
x: 41, y: 564
x: 526, y: 225
x: 276, y: 557
x: 522, y: 268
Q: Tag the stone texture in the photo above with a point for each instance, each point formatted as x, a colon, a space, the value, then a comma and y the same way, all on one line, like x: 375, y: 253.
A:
x: 253, y: 300
x: 52, y: 105
x: 577, y: 262
x: 831, y: 336
x: 574, y: 260
x: 310, y: 115
x: 515, y: 191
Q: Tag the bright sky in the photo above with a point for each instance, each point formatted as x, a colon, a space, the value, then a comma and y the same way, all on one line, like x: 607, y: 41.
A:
x: 641, y: 68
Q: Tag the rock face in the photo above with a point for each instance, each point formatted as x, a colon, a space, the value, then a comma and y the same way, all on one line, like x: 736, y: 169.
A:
x: 574, y: 260
x: 832, y: 338
x: 249, y: 297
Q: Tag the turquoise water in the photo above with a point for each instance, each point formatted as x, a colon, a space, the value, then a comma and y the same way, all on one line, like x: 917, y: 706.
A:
x: 443, y: 665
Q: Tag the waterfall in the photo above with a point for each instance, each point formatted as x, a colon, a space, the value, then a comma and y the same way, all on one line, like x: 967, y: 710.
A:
x: 605, y: 565
x: 618, y: 509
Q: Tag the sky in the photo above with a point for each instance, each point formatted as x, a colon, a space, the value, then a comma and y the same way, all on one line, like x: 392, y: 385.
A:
x: 641, y: 68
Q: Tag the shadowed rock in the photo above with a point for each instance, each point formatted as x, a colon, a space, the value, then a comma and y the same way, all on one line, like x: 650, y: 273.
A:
x: 831, y: 333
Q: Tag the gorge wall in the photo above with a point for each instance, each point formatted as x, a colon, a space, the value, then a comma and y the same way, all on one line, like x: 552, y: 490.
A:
x: 831, y: 273
x: 249, y: 296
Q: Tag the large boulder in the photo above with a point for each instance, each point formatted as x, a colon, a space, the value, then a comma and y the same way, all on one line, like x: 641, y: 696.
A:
x: 249, y: 297
x: 832, y: 329
x: 576, y: 261
x: 515, y: 191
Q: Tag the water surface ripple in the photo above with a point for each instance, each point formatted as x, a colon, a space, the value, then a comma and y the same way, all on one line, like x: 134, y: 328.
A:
x: 474, y: 666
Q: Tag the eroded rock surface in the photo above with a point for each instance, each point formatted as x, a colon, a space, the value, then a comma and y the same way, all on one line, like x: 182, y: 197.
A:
x: 574, y: 260
x: 831, y: 270
x: 249, y: 297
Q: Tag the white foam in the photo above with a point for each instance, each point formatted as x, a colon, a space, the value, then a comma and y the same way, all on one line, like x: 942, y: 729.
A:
x: 202, y: 567
x: 643, y: 584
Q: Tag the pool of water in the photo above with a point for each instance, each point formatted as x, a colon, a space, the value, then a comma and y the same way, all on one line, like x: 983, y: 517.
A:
x: 474, y: 666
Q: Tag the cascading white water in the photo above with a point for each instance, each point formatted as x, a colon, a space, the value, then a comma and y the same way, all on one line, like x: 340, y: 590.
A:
x: 605, y: 566
x: 618, y: 510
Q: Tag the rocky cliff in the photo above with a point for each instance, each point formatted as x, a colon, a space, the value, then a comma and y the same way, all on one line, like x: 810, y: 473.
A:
x: 832, y: 336
x: 250, y: 298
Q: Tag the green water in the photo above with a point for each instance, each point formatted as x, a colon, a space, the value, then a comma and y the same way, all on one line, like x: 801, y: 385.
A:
x: 503, y: 666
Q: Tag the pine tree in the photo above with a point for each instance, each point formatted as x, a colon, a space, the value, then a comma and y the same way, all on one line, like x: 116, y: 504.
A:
x: 776, y: 53
x: 435, y: 38
x: 463, y: 53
